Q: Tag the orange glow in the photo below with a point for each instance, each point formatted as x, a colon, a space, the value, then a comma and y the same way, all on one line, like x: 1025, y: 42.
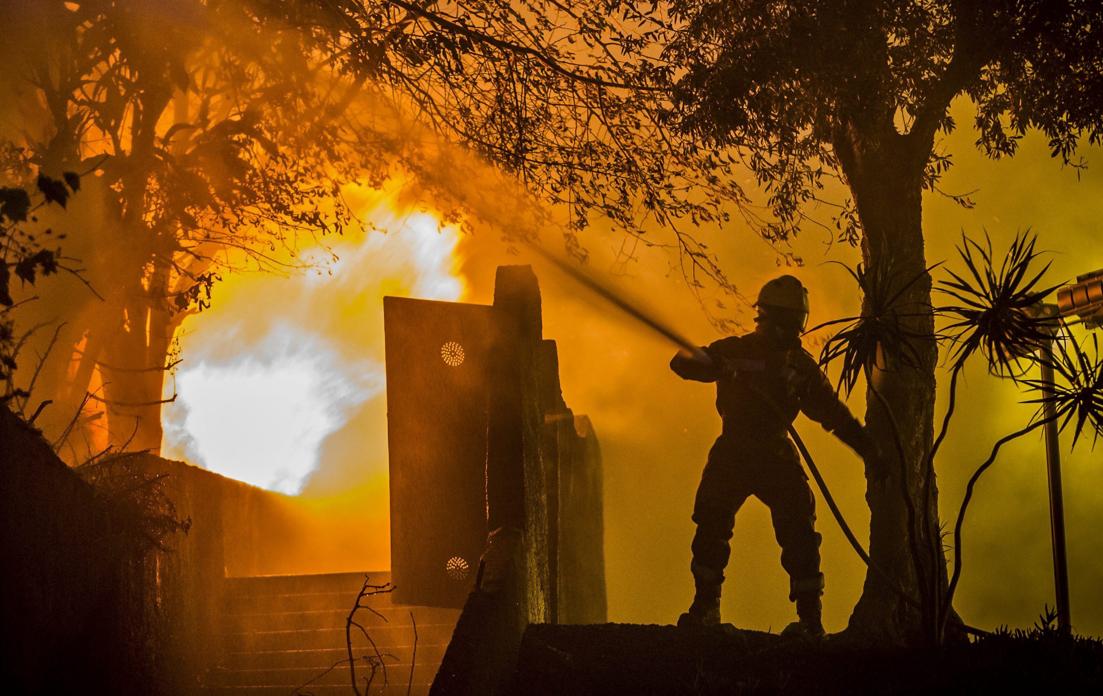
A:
x: 286, y: 362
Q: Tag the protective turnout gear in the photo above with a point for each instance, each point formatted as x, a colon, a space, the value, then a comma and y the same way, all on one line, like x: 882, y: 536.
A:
x: 763, y: 380
x: 738, y: 468
x: 703, y: 612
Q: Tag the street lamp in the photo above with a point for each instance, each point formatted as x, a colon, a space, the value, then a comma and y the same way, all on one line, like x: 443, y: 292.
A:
x: 1083, y: 299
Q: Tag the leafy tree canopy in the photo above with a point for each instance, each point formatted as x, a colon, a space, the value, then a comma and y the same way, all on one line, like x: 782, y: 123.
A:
x: 591, y: 102
x: 808, y: 83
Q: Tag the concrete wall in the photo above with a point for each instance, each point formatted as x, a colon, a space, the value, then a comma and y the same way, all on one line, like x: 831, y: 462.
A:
x: 544, y: 561
x: 580, y: 553
x: 82, y: 608
x: 233, y: 529
x: 64, y: 618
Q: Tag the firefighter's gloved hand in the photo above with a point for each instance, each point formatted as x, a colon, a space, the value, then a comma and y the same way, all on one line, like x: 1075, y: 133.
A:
x: 858, y: 438
x: 877, y: 465
x: 695, y: 365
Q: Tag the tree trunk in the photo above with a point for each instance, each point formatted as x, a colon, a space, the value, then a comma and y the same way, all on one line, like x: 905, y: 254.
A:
x: 134, y: 354
x: 885, y: 178
x: 133, y: 365
x: 127, y: 338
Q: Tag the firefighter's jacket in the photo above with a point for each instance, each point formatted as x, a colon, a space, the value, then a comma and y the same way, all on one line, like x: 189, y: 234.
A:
x: 762, y: 384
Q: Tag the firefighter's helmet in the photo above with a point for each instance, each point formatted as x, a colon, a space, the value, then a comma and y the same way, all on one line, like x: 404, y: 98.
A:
x: 784, y: 292
x: 787, y: 294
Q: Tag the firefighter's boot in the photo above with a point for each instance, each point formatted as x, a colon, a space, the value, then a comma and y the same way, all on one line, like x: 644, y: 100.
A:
x: 705, y: 609
x: 810, y: 618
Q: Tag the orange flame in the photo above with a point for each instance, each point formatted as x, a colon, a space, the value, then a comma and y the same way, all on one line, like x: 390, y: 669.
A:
x: 281, y: 364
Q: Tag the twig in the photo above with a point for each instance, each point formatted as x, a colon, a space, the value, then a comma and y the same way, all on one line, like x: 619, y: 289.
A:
x: 38, y: 369
x: 26, y: 337
x: 78, y: 273
x: 928, y: 475
x: 102, y: 455
x: 375, y: 661
x: 38, y: 410
x: 413, y: 657
x: 56, y: 445
x: 316, y: 677
x: 366, y: 590
x: 32, y: 298
x: 133, y: 404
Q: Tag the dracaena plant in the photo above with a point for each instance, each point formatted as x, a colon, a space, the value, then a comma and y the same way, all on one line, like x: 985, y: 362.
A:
x: 995, y: 312
x: 876, y: 337
x: 1075, y: 394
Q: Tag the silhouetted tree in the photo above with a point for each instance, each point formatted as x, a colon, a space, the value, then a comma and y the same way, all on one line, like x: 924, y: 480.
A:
x: 209, y: 130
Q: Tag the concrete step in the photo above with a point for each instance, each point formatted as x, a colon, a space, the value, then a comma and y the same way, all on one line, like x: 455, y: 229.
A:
x: 299, y: 584
x: 294, y: 676
x: 292, y: 639
x: 329, y: 618
x: 242, y: 622
x: 284, y: 632
x: 301, y: 601
x: 394, y: 689
x: 323, y: 657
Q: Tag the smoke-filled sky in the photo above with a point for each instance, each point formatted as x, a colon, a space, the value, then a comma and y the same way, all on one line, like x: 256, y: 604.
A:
x: 320, y: 335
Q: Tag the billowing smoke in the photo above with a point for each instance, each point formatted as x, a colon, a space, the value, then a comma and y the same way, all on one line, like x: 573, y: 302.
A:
x: 285, y: 363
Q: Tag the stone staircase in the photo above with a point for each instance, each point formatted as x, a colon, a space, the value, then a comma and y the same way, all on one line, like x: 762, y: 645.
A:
x: 286, y: 635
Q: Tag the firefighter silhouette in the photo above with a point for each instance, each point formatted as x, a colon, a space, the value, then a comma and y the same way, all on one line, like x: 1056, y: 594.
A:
x: 762, y: 380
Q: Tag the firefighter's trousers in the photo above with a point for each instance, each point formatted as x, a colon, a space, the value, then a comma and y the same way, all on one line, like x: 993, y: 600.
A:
x: 741, y: 465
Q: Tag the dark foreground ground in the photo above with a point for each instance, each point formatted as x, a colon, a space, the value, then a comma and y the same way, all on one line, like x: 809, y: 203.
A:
x: 634, y: 659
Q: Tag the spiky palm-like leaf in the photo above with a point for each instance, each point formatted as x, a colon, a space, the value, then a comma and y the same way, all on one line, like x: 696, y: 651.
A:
x: 1076, y: 392
x: 878, y: 336
x: 997, y: 316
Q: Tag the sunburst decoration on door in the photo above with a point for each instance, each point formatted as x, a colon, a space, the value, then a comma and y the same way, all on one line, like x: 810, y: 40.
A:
x: 452, y: 354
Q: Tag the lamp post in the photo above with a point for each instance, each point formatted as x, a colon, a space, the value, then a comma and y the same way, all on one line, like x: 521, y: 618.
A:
x: 1084, y: 299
